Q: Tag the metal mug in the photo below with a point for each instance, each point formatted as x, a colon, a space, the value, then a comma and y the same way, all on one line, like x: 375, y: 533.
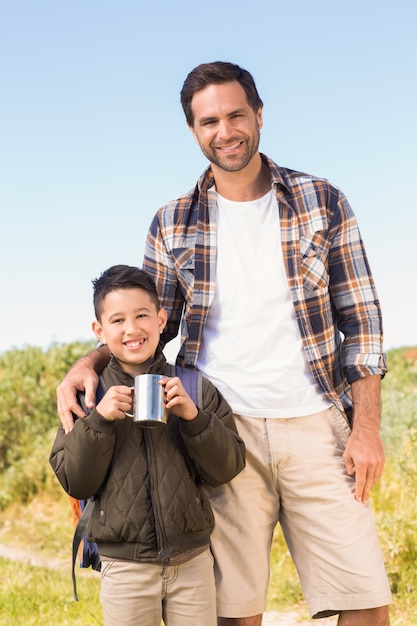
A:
x: 148, y: 402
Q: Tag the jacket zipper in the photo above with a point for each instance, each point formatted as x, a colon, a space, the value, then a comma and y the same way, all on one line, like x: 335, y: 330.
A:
x: 153, y: 479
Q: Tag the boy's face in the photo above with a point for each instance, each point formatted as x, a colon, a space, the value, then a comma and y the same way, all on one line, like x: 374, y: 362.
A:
x: 131, y: 326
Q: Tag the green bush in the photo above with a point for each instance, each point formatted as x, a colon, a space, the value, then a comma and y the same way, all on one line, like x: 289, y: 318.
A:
x: 28, y: 381
x: 394, y: 501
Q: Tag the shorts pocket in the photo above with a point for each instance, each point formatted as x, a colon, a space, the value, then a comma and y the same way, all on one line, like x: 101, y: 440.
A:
x: 341, y: 427
x: 106, y: 565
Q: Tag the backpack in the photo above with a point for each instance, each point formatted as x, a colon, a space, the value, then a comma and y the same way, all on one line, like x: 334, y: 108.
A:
x: 87, y: 551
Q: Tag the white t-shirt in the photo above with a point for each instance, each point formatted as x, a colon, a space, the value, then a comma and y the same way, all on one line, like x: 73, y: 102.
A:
x: 251, y: 347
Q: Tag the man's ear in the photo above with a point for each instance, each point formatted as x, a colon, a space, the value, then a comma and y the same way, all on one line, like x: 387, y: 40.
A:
x: 163, y: 318
x: 98, y: 331
x: 260, y: 118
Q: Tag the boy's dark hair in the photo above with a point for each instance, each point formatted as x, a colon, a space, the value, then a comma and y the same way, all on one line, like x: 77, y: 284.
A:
x: 122, y: 277
x: 217, y: 73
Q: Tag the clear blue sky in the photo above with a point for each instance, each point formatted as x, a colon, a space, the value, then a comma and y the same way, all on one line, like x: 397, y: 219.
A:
x: 93, y: 138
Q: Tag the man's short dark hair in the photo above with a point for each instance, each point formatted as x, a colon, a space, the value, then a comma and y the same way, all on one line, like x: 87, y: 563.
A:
x: 122, y: 277
x: 217, y: 73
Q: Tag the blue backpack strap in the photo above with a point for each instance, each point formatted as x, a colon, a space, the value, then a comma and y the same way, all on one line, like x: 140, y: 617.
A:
x: 192, y: 381
x: 90, y: 555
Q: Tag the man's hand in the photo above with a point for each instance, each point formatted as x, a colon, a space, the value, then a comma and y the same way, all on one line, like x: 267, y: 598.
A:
x: 81, y: 377
x: 364, y: 455
x: 364, y: 458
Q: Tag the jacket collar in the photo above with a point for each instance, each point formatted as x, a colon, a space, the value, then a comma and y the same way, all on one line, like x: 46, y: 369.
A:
x: 156, y: 367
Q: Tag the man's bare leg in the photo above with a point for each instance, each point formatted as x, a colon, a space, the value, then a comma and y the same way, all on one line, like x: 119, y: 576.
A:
x: 365, y: 617
x: 254, y: 620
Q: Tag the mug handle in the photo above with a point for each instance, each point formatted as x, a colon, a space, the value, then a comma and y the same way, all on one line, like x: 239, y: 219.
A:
x: 130, y: 414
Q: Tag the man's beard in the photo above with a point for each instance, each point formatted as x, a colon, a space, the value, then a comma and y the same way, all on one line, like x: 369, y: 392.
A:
x: 230, y: 163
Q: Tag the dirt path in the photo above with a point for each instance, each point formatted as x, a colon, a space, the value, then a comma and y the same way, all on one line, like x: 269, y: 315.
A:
x: 32, y: 558
x: 271, y: 618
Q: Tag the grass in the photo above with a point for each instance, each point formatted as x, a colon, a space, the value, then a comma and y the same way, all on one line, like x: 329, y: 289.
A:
x: 36, y: 594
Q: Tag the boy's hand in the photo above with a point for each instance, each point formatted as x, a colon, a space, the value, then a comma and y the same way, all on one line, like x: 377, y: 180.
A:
x: 177, y: 400
x: 116, y: 402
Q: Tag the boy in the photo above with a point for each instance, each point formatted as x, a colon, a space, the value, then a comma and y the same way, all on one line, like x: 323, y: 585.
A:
x: 152, y: 520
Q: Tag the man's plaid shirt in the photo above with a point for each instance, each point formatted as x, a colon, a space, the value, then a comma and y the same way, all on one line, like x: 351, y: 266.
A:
x: 331, y: 286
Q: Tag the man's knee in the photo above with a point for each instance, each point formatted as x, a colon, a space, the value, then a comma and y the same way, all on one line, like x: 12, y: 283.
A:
x: 365, y: 617
x: 254, y: 620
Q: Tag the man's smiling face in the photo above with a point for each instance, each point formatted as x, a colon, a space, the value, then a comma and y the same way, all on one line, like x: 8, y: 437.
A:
x: 225, y: 126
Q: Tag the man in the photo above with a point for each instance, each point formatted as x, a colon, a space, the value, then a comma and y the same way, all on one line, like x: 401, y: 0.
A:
x: 266, y: 271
